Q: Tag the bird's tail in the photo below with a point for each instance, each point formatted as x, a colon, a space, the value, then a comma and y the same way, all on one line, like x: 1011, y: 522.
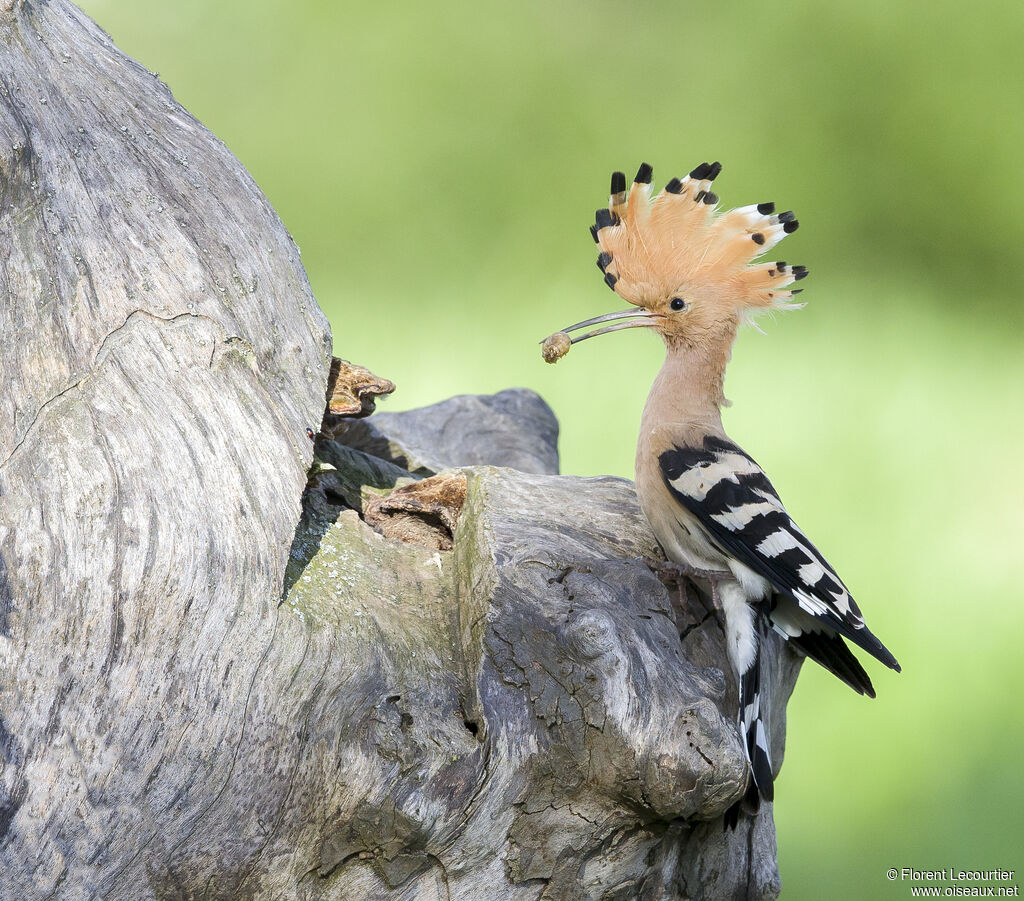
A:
x: 754, y: 732
x: 832, y: 653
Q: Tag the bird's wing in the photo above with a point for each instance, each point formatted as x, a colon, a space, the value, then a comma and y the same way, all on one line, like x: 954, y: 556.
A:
x: 740, y: 512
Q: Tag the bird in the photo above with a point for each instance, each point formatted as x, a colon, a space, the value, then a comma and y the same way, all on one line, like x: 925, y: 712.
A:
x: 694, y: 275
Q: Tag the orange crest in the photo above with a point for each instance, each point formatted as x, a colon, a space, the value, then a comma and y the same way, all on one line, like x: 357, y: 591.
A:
x: 676, y: 245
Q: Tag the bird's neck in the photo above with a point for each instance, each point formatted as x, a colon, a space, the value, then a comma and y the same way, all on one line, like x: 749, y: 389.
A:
x: 687, y: 394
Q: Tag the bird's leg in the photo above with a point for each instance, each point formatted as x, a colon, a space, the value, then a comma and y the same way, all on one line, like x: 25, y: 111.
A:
x: 673, y: 572
x: 716, y: 602
x: 681, y: 573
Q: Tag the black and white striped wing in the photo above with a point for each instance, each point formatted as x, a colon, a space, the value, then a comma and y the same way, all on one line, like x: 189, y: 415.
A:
x: 741, y: 514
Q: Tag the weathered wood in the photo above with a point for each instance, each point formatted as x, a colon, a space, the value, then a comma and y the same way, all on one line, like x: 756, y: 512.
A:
x: 162, y: 356
x: 217, y: 680
x: 608, y: 749
x: 457, y: 432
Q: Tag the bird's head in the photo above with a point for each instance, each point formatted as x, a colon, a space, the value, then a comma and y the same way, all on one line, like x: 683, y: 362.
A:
x: 686, y: 268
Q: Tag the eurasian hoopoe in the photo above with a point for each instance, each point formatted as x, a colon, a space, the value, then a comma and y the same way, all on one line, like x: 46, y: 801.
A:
x: 712, y: 508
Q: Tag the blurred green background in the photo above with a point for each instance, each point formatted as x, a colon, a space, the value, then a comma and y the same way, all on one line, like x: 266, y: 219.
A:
x: 439, y: 165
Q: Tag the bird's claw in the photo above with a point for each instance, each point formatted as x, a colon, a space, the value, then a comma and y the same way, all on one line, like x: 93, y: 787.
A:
x: 680, y: 573
x: 668, y: 571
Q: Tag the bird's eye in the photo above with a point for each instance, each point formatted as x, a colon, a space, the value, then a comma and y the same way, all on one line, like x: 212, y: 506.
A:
x: 677, y: 304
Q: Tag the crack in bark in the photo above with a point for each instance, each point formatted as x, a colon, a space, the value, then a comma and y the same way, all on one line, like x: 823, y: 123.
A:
x: 694, y: 626
x: 314, y: 696
x: 96, y: 361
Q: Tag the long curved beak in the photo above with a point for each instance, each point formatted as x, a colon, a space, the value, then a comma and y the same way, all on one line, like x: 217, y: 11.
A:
x: 636, y: 319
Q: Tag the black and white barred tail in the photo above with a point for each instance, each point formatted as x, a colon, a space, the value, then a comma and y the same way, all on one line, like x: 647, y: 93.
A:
x: 754, y: 733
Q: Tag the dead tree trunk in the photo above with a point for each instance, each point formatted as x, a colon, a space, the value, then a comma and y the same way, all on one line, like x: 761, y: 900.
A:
x: 219, y: 681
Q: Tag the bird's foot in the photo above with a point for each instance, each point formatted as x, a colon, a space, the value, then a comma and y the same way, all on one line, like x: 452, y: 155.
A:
x: 668, y: 571
x: 681, y: 573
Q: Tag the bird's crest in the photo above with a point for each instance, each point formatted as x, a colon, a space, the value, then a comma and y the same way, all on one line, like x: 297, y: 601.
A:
x: 676, y: 242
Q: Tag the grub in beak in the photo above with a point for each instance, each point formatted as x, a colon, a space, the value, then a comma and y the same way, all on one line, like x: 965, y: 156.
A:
x: 556, y: 346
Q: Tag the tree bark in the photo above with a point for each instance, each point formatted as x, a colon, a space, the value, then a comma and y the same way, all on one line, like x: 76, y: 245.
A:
x: 228, y: 670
